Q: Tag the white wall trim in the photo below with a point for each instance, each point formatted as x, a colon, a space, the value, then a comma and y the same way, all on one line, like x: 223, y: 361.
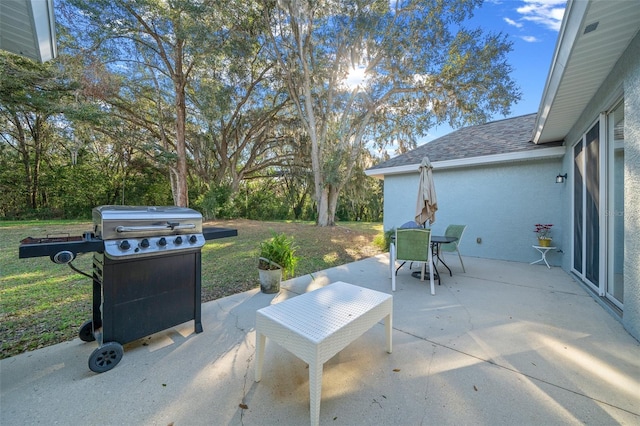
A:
x: 44, y: 27
x: 573, y: 16
x: 553, y: 152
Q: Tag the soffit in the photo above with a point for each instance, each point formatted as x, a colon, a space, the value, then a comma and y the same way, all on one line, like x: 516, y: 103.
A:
x: 27, y: 28
x: 583, y: 61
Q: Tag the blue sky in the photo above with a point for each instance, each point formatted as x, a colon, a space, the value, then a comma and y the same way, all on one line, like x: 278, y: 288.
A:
x: 532, y: 26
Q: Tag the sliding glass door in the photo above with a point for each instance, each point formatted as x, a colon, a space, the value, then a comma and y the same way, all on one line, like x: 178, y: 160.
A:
x: 598, y: 206
x: 586, y: 217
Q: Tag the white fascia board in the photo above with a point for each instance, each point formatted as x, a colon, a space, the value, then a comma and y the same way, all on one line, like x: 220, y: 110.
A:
x: 574, y: 14
x: 398, y: 170
x: 44, y: 27
x: 553, y: 152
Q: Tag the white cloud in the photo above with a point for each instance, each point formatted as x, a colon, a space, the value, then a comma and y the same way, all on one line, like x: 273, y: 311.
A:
x: 529, y: 39
x: 547, y: 13
x: 513, y: 23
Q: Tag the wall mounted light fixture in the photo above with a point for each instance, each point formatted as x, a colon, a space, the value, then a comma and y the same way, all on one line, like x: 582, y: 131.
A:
x: 560, y: 178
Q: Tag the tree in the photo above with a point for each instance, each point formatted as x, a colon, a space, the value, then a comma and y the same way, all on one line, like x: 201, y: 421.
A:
x: 154, y: 45
x: 420, y: 67
x: 32, y: 97
x: 243, y: 115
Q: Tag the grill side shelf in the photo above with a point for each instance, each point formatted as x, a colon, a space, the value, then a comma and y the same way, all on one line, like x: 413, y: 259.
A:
x: 213, y: 233
x: 30, y: 249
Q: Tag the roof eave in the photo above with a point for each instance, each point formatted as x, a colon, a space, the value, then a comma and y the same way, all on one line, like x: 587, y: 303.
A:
x: 573, y: 16
x: 35, y: 19
x: 538, y: 154
x: 44, y: 24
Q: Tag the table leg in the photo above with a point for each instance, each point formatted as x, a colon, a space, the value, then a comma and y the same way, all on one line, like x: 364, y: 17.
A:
x: 437, y: 247
x: 260, y: 341
x: 543, y: 257
x: 315, y: 391
x: 388, y: 324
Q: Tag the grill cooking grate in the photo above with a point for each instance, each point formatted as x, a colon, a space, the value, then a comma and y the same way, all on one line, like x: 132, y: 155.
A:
x: 49, y: 240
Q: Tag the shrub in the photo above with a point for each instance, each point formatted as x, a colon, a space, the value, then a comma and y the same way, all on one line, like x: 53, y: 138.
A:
x: 280, y: 250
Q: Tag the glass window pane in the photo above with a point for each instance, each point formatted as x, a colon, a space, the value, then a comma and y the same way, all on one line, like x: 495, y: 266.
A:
x: 592, y: 209
x: 577, y: 206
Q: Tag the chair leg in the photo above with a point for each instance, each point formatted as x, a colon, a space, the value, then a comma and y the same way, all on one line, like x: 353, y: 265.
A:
x: 392, y: 264
x: 462, y: 263
x: 431, y: 284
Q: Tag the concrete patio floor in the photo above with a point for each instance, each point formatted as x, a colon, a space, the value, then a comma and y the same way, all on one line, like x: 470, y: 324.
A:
x: 502, y: 344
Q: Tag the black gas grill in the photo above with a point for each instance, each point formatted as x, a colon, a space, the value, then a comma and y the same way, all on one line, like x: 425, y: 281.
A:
x: 146, y: 273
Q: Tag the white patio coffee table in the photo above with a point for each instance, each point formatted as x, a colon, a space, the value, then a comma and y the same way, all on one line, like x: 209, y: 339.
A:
x: 317, y: 325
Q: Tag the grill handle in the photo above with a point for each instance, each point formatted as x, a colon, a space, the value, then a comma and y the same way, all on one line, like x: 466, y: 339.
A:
x: 172, y: 226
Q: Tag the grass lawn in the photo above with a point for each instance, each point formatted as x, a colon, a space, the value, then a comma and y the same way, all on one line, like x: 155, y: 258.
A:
x: 42, y: 303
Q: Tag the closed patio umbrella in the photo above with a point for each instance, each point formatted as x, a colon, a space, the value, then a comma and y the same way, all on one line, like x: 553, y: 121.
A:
x: 427, y: 202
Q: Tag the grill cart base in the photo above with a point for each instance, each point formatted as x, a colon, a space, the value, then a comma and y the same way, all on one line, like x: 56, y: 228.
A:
x: 133, y: 298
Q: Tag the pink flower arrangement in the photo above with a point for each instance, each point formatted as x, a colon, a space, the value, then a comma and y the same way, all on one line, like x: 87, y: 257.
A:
x: 543, y: 231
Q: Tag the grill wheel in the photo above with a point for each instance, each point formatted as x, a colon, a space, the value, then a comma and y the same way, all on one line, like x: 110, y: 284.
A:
x: 106, y: 357
x: 86, y: 332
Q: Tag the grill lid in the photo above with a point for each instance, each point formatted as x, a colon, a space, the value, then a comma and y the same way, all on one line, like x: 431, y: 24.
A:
x: 124, y: 232
x: 116, y: 222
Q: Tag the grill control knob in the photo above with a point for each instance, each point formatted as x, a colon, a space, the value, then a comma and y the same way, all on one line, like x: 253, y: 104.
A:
x: 125, y: 245
x: 178, y: 240
x: 193, y: 239
x: 144, y: 243
x: 162, y: 242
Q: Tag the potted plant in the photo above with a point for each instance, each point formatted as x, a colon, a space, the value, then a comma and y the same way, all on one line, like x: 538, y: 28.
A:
x: 276, y: 259
x: 543, y: 231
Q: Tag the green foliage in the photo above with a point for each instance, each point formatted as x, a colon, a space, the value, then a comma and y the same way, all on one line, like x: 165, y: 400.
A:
x: 383, y: 241
x: 261, y: 199
x: 217, y: 203
x: 361, y: 199
x: 110, y: 98
x: 265, y: 201
x: 281, y: 250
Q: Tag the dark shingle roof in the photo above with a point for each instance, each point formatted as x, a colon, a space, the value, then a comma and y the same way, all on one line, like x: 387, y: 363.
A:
x: 496, y: 137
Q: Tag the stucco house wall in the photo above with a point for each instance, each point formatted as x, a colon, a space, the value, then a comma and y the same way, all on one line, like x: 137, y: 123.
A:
x: 631, y: 318
x: 623, y: 79
x: 499, y: 203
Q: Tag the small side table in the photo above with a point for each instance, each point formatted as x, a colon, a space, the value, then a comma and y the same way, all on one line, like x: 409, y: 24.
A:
x: 543, y: 251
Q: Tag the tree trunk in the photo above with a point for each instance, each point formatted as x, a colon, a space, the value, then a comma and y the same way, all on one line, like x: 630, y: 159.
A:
x: 173, y: 181
x: 334, y: 192
x: 181, y: 196
x: 323, y: 208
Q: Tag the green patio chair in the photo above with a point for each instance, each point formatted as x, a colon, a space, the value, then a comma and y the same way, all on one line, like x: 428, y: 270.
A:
x: 454, y: 231
x: 411, y: 245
